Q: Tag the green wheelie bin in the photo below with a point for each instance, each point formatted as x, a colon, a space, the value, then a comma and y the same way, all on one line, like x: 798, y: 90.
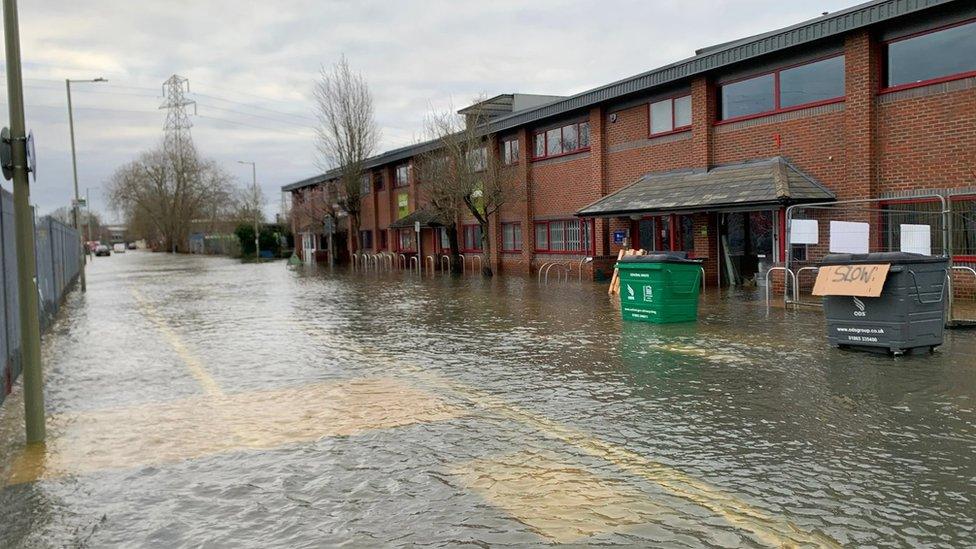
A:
x: 659, y: 288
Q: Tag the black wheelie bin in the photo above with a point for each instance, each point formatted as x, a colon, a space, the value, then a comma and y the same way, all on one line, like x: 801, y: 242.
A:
x: 908, y: 315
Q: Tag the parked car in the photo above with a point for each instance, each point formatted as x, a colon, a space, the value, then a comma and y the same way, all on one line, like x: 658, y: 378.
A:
x: 102, y: 249
x: 131, y: 245
x: 119, y: 248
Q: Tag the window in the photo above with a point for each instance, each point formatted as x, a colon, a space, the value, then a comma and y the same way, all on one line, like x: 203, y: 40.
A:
x: 366, y: 240
x: 364, y: 184
x: 541, y: 236
x: 406, y: 240
x: 378, y: 181
x: 563, y: 140
x: 569, y: 236
x: 472, y: 238
x: 445, y: 241
x: 403, y: 205
x: 402, y: 175
x: 510, y: 151
x: 478, y: 159
x: 930, y: 56
x: 686, y: 233
x: 382, y: 235
x: 671, y: 114
x: 812, y: 82
x: 807, y: 84
x: 511, y: 237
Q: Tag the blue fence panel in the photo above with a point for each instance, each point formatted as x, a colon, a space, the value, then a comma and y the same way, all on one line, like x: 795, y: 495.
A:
x: 58, y: 252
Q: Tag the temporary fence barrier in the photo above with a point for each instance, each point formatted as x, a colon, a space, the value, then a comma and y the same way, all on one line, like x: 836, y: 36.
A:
x: 57, y: 248
x: 930, y: 224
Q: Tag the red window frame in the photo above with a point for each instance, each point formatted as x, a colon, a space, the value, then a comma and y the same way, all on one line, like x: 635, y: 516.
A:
x: 674, y: 129
x: 396, y: 176
x: 517, y: 224
x: 517, y: 149
x: 587, y: 245
x: 883, y: 62
x: 545, y: 141
x: 776, y: 100
x: 464, y: 239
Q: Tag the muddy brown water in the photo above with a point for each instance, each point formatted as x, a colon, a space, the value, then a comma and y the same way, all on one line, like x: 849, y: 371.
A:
x: 202, y: 402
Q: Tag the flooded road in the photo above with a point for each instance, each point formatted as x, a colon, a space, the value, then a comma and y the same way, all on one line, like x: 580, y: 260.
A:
x: 201, y: 402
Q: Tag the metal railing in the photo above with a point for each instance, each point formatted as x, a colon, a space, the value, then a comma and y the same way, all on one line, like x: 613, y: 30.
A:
x: 786, y: 270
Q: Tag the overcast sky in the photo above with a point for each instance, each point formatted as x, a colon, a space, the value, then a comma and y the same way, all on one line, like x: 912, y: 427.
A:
x: 252, y: 65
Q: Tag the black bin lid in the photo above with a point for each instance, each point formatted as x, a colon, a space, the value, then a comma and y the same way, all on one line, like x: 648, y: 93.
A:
x: 666, y: 257
x: 893, y: 258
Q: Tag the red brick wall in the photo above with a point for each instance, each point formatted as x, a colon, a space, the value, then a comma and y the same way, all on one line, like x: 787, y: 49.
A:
x: 927, y: 138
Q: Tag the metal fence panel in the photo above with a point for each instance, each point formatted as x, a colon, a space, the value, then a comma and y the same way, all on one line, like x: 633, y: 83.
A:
x: 57, y: 249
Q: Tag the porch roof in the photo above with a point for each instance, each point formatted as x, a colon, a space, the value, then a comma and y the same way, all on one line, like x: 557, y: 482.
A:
x: 426, y: 217
x: 767, y: 182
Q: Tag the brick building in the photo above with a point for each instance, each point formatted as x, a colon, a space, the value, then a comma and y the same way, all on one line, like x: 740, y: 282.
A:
x: 704, y: 155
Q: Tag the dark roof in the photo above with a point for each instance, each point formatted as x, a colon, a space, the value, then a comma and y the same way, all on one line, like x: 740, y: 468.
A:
x: 706, y: 59
x: 425, y: 216
x: 771, y: 181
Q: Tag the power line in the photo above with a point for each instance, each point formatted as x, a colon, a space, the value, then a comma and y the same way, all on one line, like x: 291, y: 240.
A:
x: 260, y: 116
x: 252, y: 106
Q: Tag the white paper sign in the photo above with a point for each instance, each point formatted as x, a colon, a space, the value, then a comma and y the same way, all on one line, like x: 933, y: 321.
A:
x: 916, y: 239
x: 848, y: 237
x: 804, y: 231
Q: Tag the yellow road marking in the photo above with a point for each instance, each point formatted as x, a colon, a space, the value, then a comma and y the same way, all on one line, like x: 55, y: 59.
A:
x: 559, y: 500
x: 193, y: 364
x: 168, y: 432
x: 767, y: 529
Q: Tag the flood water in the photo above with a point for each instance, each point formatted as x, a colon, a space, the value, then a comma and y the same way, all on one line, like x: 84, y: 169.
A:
x: 203, y: 402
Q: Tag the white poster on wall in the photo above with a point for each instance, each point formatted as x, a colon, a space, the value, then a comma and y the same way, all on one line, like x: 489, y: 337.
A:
x: 916, y: 239
x: 804, y: 231
x: 847, y: 237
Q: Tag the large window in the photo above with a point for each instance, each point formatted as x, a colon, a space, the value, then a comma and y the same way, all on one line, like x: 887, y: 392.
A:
x: 564, y: 236
x: 472, y: 238
x: 366, y: 240
x: 445, y: 240
x: 803, y: 85
x: 511, y: 237
x: 402, y: 175
x: 364, y: 184
x: 510, y: 151
x: 934, y: 55
x: 563, y: 140
x: 668, y: 115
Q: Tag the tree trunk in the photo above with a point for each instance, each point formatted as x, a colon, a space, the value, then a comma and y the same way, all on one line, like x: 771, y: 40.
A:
x: 452, y: 239
x: 485, y: 250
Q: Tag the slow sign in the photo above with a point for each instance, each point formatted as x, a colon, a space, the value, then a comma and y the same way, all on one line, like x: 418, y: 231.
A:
x: 857, y: 280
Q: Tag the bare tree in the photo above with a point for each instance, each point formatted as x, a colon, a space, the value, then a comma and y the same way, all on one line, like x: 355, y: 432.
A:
x: 465, y: 175
x: 347, y: 135
x: 162, y: 193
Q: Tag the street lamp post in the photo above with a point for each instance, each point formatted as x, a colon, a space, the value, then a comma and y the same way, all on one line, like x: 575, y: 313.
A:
x: 257, y: 207
x: 74, y: 169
